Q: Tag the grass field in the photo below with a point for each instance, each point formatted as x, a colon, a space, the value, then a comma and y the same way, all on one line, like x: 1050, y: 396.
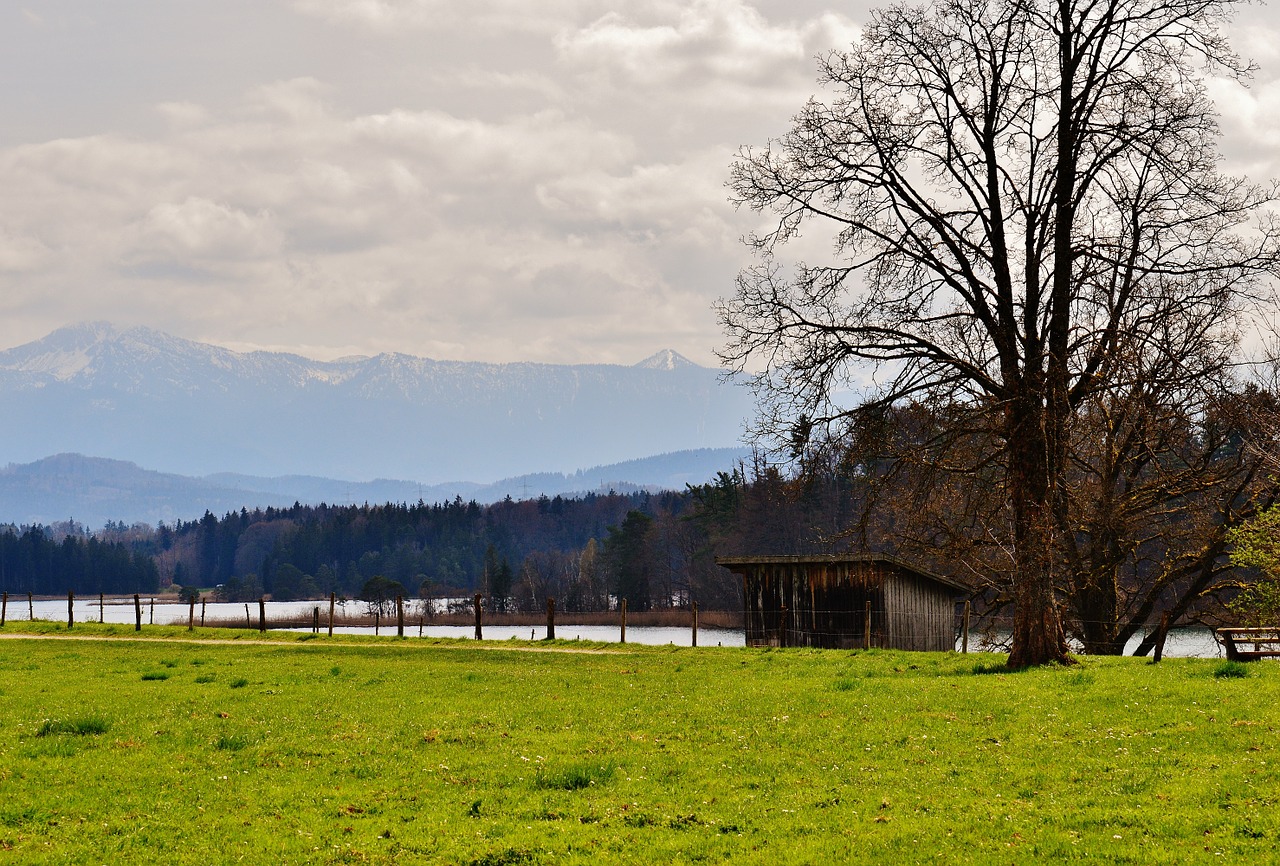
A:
x: 381, y: 751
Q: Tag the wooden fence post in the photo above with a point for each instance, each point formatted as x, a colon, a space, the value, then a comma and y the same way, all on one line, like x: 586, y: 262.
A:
x: 191, y: 614
x: 421, y: 617
x: 1160, y: 636
x: 866, y: 625
x: 102, y: 606
x: 151, y: 615
x: 202, y: 605
x: 964, y: 640
x: 695, y: 623
x: 137, y: 612
x: 315, y: 619
x: 4, y: 608
x: 622, y: 606
x: 551, y: 618
x: 333, y: 597
x: 377, y: 621
x: 31, y: 608
x: 399, y: 616
x: 478, y: 617
x: 71, y: 612
x: 262, y: 615
x: 248, y: 623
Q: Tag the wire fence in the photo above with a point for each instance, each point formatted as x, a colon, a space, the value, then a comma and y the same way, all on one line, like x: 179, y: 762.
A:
x: 960, y: 629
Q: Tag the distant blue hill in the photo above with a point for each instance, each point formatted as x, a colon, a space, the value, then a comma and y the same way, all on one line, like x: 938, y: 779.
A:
x: 191, y: 408
x: 92, y: 490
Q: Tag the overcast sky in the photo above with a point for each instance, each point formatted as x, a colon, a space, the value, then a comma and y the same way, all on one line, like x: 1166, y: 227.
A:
x: 492, y: 180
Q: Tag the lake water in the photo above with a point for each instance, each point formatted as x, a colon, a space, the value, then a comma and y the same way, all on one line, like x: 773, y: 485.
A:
x: 1184, y: 642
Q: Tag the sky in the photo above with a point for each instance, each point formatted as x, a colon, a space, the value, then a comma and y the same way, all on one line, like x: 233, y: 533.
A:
x: 479, y: 180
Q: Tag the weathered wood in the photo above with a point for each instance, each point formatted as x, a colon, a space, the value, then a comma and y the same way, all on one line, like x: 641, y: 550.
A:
x: 820, y: 600
x: 333, y: 598
x: 151, y: 614
x: 4, y: 607
x: 31, y: 608
x: 203, y: 603
x: 695, y: 623
x: 102, y: 608
x: 191, y: 614
x: 399, y: 616
x: 1160, y: 637
x: 622, y: 611
x: 248, y: 623
x: 551, y: 618
x: 137, y: 612
x: 479, y: 617
x: 71, y: 611
x: 1250, y: 644
x: 964, y: 641
x: 262, y: 615
x: 866, y: 625
x: 315, y: 619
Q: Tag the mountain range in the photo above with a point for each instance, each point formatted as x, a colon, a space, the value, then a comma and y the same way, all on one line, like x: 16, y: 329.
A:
x: 93, y: 491
x: 182, y: 407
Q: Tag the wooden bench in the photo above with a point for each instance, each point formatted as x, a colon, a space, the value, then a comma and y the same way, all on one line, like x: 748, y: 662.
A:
x: 1250, y: 644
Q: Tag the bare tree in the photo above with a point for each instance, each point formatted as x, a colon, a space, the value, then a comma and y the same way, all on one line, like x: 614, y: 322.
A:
x: 1017, y: 191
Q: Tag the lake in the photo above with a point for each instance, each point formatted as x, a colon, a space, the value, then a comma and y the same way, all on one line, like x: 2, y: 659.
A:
x: 1184, y: 642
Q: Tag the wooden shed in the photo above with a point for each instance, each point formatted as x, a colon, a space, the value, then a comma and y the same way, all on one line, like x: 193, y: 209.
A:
x: 822, y: 601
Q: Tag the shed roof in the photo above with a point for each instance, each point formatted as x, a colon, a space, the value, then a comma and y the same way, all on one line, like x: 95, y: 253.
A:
x: 740, y: 563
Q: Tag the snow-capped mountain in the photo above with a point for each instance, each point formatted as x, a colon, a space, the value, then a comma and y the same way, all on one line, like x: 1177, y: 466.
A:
x: 180, y: 406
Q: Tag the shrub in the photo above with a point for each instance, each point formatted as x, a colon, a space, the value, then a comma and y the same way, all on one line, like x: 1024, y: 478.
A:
x: 83, y: 727
x: 1231, y: 670
x: 572, y: 778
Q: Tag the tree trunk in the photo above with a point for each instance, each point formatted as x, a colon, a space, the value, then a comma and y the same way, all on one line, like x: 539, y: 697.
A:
x: 1038, y: 638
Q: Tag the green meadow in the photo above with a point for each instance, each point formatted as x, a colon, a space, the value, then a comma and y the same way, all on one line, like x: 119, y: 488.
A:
x: 366, y: 750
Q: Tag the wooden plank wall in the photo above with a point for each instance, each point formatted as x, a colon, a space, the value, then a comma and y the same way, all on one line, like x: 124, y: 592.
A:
x: 824, y: 605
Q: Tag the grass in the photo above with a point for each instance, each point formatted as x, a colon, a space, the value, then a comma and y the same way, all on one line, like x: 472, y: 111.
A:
x: 385, y: 751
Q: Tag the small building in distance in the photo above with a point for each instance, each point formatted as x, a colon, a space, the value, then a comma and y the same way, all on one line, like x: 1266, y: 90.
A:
x: 822, y: 600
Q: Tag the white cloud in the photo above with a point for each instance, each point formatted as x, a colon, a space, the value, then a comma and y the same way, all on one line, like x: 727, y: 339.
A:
x: 728, y: 41
x: 200, y: 229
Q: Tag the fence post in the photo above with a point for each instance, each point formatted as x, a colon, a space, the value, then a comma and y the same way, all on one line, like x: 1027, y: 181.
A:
x: 101, y: 608
x: 191, y: 614
x: 623, y: 607
x: 551, y: 618
x: 695, y: 623
x: 315, y: 619
x: 31, y: 608
x: 377, y: 621
x: 4, y: 608
x: 203, y: 602
x: 262, y: 615
x: 333, y: 597
x: 1161, y: 635
x: 478, y: 617
x: 137, y: 612
x: 866, y: 625
x: 71, y: 612
x: 399, y: 616
x: 248, y: 623
x: 421, y: 617
x: 151, y: 615
x: 964, y: 640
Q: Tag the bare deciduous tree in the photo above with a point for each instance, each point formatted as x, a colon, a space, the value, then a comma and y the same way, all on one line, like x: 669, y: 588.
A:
x: 1018, y: 191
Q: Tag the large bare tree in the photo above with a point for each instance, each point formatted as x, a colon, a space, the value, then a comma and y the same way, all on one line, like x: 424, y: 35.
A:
x: 1018, y: 191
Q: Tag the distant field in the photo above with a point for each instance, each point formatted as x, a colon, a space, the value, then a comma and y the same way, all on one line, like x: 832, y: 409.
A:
x: 366, y: 750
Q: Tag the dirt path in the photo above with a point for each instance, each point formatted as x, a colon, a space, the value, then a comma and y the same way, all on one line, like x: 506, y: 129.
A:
x: 475, y: 645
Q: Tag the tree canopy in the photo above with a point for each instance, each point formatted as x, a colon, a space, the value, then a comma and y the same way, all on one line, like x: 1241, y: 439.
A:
x: 1028, y: 220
